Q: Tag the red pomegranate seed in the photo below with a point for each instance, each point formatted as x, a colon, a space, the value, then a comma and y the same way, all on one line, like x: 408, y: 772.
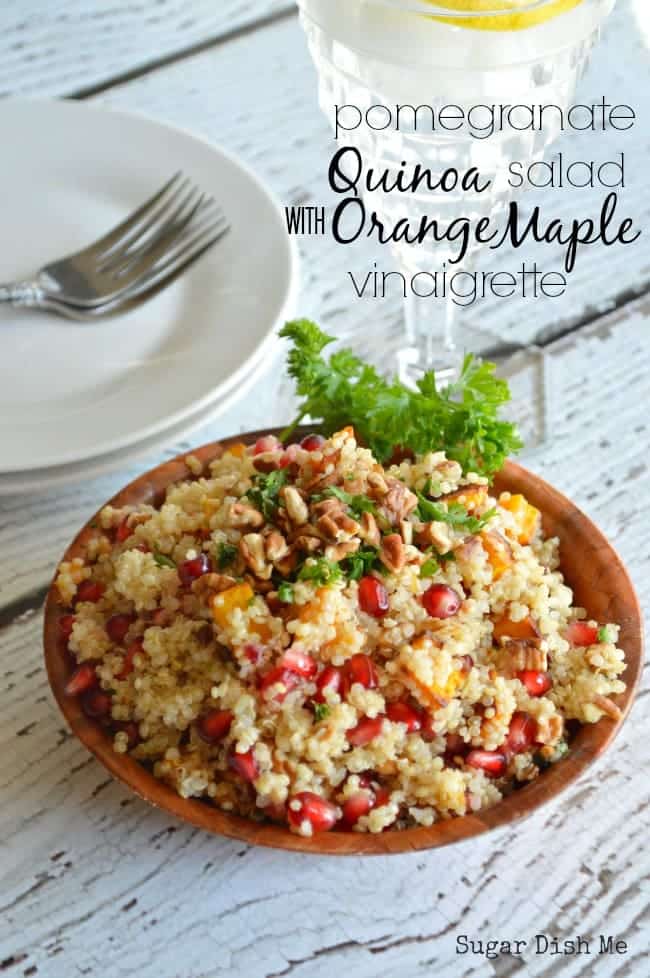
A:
x: 244, y: 765
x: 253, y: 653
x: 358, y: 804
x: 321, y: 814
x: 580, y: 634
x: 135, y: 648
x: 299, y: 662
x: 278, y: 675
x: 123, y: 531
x: 441, y: 601
x: 403, y: 713
x: 521, y: 733
x: 117, y: 626
x: 89, y: 590
x: 490, y: 761
x: 373, y: 597
x: 428, y: 732
x: 192, y: 569
x: 536, y: 683
x: 214, y: 725
x: 366, y: 730
x: 311, y: 443
x: 96, y: 703
x: 83, y: 678
x: 290, y: 456
x: 360, y: 668
x: 455, y: 745
x: 66, y: 623
x: 267, y: 443
x: 330, y: 679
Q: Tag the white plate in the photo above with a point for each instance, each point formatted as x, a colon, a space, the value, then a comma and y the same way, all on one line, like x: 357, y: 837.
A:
x: 56, y: 477
x: 70, y: 392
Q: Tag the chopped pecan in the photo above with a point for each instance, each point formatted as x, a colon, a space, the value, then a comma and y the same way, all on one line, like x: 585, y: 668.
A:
x: 212, y: 583
x: 266, y: 462
x: 436, y: 535
x: 276, y: 546
x: 320, y: 482
x: 337, y: 526
x: 609, y: 707
x: 369, y: 531
x: 260, y: 585
x: 251, y: 547
x: 307, y: 543
x: 295, y: 505
x: 244, y: 516
x: 377, y: 485
x: 325, y: 506
x: 337, y: 551
x: 406, y: 530
x: 525, y: 654
x: 287, y: 564
x: 549, y: 729
x: 392, y: 553
x: 398, y: 502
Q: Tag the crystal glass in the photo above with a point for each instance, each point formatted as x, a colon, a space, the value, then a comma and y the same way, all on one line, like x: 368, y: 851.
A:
x: 374, y: 55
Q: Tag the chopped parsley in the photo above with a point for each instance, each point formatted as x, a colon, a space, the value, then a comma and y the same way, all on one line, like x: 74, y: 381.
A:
x: 285, y: 592
x: 433, y: 563
x: 361, y: 563
x: 463, y: 417
x: 454, y: 515
x: 163, y: 560
x: 265, y: 491
x: 321, y: 711
x: 226, y: 554
x: 356, y: 504
x: 604, y: 634
x: 320, y: 571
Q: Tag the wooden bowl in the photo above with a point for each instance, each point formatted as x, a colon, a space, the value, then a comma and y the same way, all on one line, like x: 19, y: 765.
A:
x: 591, y: 567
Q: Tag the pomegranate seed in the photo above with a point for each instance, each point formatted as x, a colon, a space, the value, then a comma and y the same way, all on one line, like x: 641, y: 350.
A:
x: 89, y: 590
x: 214, y: 725
x: 268, y: 443
x: 403, y: 713
x: 290, y: 456
x: 144, y: 548
x: 135, y: 648
x: 322, y: 815
x: 366, y: 730
x: 536, y: 683
x: 455, y: 745
x: 299, y: 662
x: 311, y: 443
x: 253, y: 653
x: 331, y: 680
x: 428, y: 732
x: 441, y: 601
x: 358, y: 804
x: 490, y: 761
x: 360, y: 668
x: 278, y: 675
x: 580, y: 634
x: 123, y: 531
x: 521, y: 733
x: 192, y: 569
x: 244, y: 765
x: 66, y: 623
x: 96, y: 703
x: 83, y: 678
x: 373, y: 597
x: 117, y: 626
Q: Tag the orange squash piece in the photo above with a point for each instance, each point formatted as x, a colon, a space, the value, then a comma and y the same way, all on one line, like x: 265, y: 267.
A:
x: 471, y: 497
x: 499, y: 552
x: 225, y: 602
x: 527, y: 517
x: 238, y: 449
x: 524, y: 629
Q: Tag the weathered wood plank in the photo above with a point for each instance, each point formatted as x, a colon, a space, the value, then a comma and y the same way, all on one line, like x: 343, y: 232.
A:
x: 91, y: 875
x: 59, y: 49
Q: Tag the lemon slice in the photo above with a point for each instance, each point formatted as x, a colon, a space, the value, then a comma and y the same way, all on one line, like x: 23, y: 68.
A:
x: 516, y: 20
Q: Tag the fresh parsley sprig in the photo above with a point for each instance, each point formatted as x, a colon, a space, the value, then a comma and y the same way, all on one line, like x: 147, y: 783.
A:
x: 265, y: 491
x: 356, y: 504
x: 461, y: 418
x: 453, y: 514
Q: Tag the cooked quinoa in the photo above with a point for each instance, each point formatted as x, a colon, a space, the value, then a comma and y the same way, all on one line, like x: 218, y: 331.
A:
x: 306, y: 636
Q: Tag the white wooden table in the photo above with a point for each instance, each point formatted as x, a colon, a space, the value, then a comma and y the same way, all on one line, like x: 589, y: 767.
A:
x: 96, y: 883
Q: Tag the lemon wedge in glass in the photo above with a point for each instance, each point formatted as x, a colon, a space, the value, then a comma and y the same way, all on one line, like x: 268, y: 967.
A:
x: 501, y: 15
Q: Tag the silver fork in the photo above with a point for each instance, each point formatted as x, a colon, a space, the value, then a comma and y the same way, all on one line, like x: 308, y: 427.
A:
x: 137, y: 258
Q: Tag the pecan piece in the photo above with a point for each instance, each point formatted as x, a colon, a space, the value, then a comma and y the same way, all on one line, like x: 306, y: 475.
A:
x: 276, y: 546
x: 251, y: 547
x: 295, y: 505
x: 338, y: 551
x: 436, y: 535
x: 369, y: 531
x: 245, y: 517
x: 392, y: 553
x: 609, y: 707
x: 212, y: 583
x: 377, y: 485
x: 525, y: 654
x: 337, y: 526
x: 549, y: 729
x: 398, y: 502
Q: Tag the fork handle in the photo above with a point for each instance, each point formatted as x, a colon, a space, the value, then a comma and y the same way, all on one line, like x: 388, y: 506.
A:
x: 22, y: 294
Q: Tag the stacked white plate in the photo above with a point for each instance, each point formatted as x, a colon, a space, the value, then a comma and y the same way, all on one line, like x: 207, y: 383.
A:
x: 80, y: 399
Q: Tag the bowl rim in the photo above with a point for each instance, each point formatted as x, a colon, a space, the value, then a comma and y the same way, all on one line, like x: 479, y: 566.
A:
x: 590, y: 742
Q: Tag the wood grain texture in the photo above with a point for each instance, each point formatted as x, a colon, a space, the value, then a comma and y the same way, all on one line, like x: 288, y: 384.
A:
x: 65, y: 48
x: 592, y: 569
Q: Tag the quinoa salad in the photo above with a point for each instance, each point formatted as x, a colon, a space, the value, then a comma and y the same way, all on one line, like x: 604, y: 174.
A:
x: 305, y: 636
